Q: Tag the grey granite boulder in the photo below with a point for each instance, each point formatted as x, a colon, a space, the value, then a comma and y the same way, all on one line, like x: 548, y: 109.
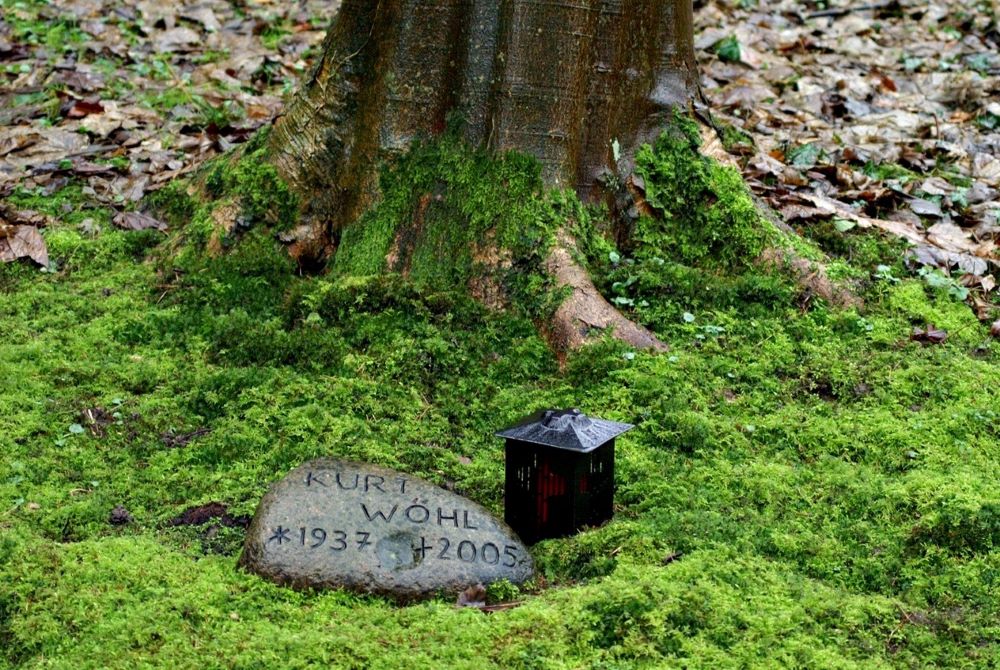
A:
x: 333, y: 523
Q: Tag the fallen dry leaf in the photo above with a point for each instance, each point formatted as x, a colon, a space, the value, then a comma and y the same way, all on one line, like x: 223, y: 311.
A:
x: 987, y: 168
x: 923, y: 207
x: 931, y: 256
x: 949, y: 237
x: 175, y: 39
x: 12, y: 216
x: 474, y: 596
x: 23, y: 242
x: 834, y: 208
x: 82, y: 108
x: 81, y: 79
x: 16, y: 141
x: 120, y: 516
x: 138, y: 221
x: 173, y: 440
x: 930, y: 336
x: 203, y: 15
x: 26, y: 146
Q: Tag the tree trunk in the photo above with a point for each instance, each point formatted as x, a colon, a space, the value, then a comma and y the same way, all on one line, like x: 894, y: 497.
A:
x: 576, y: 84
x: 560, y: 81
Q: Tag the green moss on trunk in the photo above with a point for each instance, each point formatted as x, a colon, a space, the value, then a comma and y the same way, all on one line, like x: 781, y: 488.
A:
x: 449, y: 215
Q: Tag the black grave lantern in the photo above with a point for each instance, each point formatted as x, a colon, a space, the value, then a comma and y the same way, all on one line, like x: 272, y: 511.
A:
x: 560, y: 473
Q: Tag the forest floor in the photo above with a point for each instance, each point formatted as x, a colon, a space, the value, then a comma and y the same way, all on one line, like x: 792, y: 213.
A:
x: 806, y: 486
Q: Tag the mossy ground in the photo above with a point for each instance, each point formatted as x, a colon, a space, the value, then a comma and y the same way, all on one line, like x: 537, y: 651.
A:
x: 805, y: 487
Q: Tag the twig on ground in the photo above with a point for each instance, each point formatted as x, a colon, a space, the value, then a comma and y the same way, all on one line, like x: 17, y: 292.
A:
x: 838, y: 12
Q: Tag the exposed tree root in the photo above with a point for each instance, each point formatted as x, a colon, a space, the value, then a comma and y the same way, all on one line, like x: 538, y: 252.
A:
x: 585, y: 314
x: 811, y: 276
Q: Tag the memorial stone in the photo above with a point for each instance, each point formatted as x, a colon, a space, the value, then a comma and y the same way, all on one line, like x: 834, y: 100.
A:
x: 338, y: 524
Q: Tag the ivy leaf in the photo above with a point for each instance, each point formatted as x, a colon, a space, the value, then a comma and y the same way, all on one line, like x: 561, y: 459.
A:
x: 729, y: 50
x: 843, y: 225
x: 804, y: 156
x: 988, y: 121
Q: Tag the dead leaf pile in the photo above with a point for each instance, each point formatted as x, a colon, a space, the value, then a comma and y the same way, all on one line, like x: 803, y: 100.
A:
x: 875, y: 115
x: 127, y: 96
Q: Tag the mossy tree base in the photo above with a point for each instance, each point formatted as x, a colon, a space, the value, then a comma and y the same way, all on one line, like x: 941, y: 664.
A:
x: 451, y: 217
x: 807, y: 488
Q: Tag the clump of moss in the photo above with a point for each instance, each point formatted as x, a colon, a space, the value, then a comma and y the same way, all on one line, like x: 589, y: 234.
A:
x: 700, y: 241
x: 254, y: 184
x: 229, y: 197
x: 803, y: 488
x: 864, y: 250
x: 708, y: 216
x: 174, y: 204
x: 225, y: 254
x: 735, y: 140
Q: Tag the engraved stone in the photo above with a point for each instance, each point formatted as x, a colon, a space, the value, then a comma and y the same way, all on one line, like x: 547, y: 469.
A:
x: 333, y: 523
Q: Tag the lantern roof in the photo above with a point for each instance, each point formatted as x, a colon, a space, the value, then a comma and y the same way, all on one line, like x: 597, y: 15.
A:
x: 568, y: 429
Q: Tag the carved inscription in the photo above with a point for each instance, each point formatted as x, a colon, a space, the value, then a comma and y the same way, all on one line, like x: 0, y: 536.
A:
x: 338, y: 523
x: 466, y: 550
x: 351, y: 482
x: 415, y: 513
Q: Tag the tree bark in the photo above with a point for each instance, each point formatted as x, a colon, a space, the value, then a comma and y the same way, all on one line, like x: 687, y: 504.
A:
x: 560, y: 80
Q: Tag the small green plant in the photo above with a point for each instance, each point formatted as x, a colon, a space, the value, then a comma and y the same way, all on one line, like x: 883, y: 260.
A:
x: 911, y: 63
x: 735, y: 140
x: 804, y: 156
x: 502, y: 592
x: 708, y: 214
x: 884, y: 273
x: 981, y: 63
x: 711, y: 330
x: 729, y: 49
x: 272, y: 35
x: 938, y: 280
x: 885, y: 171
x: 988, y: 121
